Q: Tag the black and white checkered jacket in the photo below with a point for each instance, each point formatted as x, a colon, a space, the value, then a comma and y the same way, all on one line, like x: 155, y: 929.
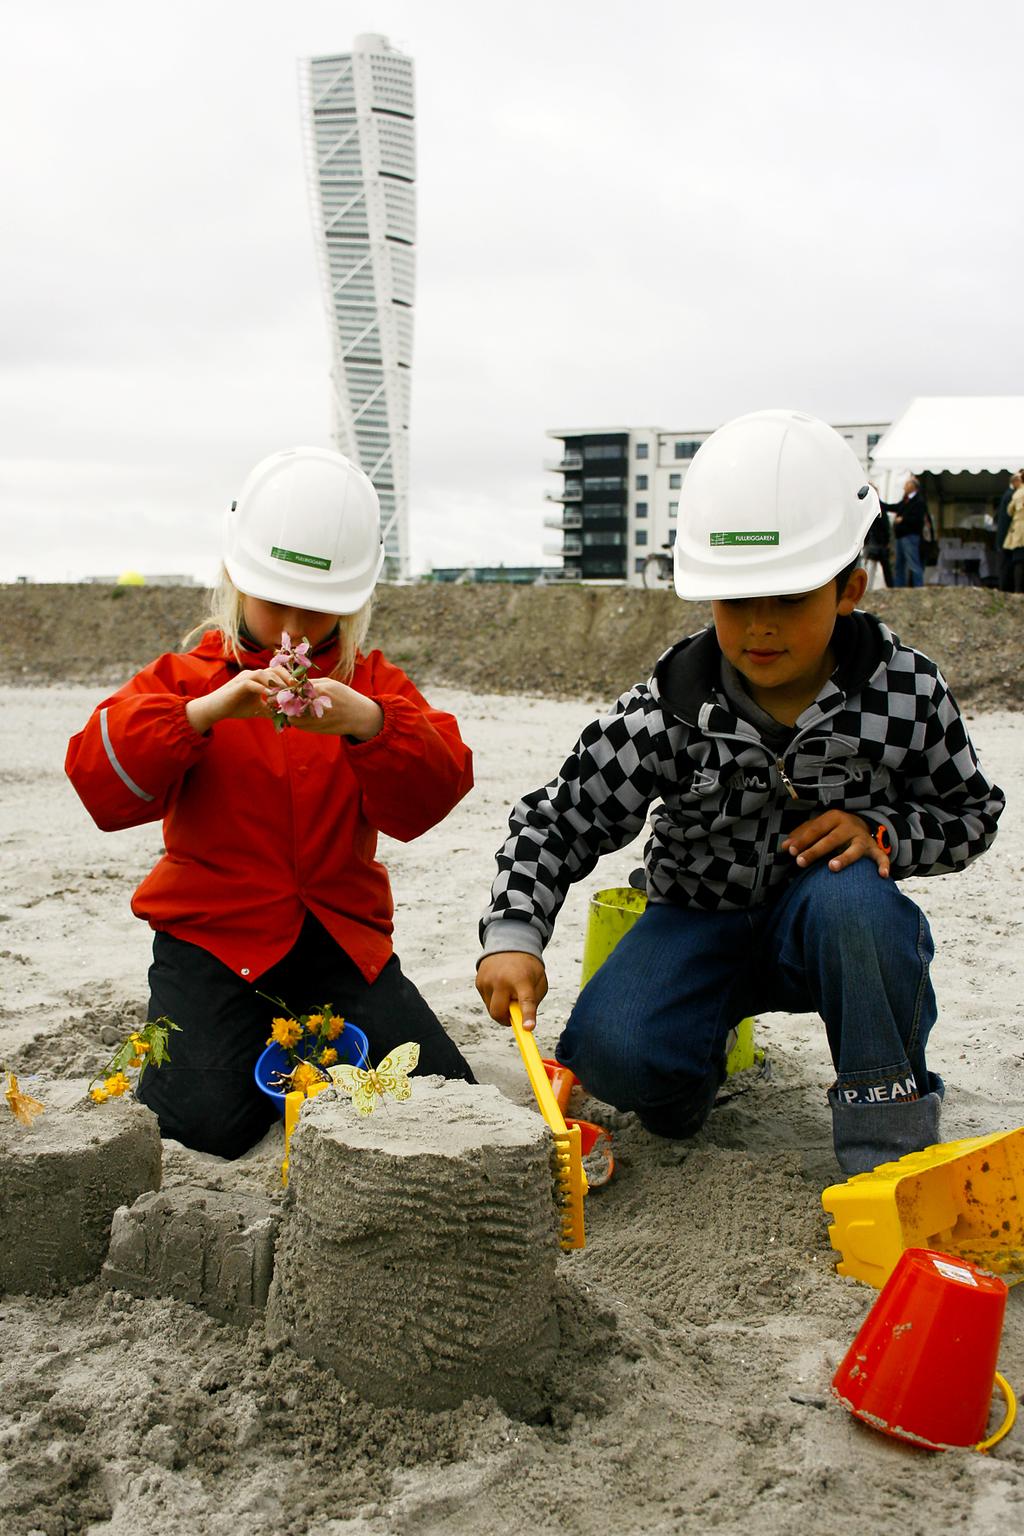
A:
x: 884, y: 738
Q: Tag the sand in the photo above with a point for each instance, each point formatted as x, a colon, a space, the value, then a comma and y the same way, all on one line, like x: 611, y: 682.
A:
x: 699, y: 1329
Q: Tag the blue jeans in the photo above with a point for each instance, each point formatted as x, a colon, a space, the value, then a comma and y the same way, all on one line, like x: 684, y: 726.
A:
x: 909, y: 570
x: 648, y: 1032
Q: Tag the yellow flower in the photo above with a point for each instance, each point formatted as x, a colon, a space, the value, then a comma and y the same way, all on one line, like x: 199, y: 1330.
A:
x: 304, y: 1074
x: 117, y: 1085
x: 98, y: 1095
x: 314, y: 1022
x: 335, y: 1028
x: 328, y: 1057
x: 286, y: 1032
x: 140, y: 1046
x: 136, y: 1061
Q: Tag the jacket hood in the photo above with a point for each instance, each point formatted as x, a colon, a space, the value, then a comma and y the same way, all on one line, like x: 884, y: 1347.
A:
x: 213, y: 647
x: 688, y: 675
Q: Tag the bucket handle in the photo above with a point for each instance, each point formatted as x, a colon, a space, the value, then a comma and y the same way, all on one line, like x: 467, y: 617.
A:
x: 1011, y: 1414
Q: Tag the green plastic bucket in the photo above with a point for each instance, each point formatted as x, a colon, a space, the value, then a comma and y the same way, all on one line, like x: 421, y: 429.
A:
x: 611, y: 914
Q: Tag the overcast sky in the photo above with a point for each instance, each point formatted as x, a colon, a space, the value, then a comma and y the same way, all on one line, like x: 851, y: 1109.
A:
x: 629, y: 214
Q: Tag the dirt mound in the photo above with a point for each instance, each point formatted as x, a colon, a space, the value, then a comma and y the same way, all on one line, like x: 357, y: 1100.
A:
x: 565, y: 642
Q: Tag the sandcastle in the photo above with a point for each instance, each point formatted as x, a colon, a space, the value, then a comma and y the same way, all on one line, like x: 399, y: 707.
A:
x: 417, y: 1258
x: 62, y: 1179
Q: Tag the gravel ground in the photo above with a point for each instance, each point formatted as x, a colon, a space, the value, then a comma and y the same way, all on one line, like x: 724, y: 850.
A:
x: 561, y: 642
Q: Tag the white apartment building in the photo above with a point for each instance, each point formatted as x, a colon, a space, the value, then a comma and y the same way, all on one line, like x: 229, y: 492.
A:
x: 359, y: 127
x: 619, y: 497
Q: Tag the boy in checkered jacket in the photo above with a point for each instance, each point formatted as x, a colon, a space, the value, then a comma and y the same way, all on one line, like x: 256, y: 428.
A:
x: 800, y: 761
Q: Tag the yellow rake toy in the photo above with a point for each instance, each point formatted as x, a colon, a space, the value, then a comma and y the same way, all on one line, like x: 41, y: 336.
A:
x: 569, y: 1175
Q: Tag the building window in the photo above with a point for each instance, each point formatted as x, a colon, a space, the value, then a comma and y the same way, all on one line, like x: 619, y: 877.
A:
x: 641, y: 482
x: 641, y: 450
x: 640, y: 564
x: 602, y: 451
x: 686, y: 448
x: 675, y: 482
x: 873, y: 438
x: 600, y: 567
x: 641, y: 537
x: 641, y: 509
x: 602, y: 482
x: 673, y: 509
x: 671, y: 537
x: 593, y: 536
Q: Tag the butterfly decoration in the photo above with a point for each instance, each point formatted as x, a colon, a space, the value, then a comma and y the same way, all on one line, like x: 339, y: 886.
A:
x: 390, y: 1076
x: 23, y: 1106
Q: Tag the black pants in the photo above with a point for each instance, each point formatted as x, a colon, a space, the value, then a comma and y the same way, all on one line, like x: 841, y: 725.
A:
x: 206, y: 1096
x: 882, y: 557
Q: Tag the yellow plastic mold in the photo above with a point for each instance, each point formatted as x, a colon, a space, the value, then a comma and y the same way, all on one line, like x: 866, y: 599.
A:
x: 960, y: 1197
x: 293, y: 1103
x: 610, y: 915
x: 570, y: 1179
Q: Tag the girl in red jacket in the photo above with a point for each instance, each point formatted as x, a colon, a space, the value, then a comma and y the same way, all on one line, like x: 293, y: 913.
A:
x: 269, y: 883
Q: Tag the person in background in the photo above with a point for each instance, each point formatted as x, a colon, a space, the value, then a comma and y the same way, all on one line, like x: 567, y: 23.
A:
x: 877, y: 548
x: 269, y: 887
x: 1013, y: 544
x: 1004, y: 556
x: 908, y: 526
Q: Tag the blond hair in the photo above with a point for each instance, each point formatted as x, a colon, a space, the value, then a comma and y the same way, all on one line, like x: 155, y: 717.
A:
x: 225, y: 617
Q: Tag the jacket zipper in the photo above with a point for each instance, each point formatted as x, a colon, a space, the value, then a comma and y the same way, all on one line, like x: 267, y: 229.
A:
x: 772, y: 830
x: 787, y: 781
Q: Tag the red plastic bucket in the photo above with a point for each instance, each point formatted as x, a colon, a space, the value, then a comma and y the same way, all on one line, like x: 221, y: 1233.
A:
x: 923, y: 1365
x: 596, y: 1152
x: 562, y: 1081
x: 595, y: 1141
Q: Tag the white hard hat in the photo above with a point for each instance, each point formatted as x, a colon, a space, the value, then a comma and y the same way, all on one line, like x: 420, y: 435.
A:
x: 774, y: 503
x: 305, y: 531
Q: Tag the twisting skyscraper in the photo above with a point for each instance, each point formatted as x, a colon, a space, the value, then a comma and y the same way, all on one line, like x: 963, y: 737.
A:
x: 359, y: 128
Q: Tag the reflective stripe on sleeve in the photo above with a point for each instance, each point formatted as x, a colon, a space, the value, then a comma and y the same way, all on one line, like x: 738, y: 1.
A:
x: 112, y: 757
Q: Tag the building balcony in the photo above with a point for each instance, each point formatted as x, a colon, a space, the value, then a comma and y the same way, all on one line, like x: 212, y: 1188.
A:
x: 568, y: 461
x: 569, y: 492
x: 565, y: 520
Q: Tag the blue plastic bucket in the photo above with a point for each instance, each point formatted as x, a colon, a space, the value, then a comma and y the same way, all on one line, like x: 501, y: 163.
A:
x: 352, y: 1047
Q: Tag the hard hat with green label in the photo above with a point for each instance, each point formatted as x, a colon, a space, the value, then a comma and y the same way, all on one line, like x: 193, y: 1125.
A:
x: 305, y: 531
x: 774, y: 503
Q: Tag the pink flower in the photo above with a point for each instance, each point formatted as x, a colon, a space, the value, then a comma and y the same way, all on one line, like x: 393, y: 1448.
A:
x: 298, y: 698
x: 283, y: 657
x: 290, y: 703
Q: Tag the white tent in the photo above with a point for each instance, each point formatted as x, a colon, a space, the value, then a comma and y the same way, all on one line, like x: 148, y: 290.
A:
x: 956, y: 434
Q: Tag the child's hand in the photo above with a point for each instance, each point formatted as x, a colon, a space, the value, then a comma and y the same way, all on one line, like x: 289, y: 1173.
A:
x: 241, y: 698
x: 512, y: 977
x: 350, y: 714
x: 834, y: 830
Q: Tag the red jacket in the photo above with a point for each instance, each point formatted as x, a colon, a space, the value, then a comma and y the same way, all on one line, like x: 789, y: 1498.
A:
x: 260, y: 825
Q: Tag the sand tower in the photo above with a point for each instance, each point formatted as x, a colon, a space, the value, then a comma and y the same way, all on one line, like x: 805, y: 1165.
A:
x: 417, y: 1258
